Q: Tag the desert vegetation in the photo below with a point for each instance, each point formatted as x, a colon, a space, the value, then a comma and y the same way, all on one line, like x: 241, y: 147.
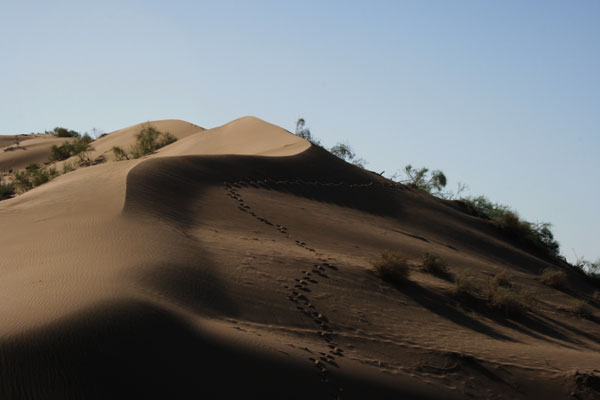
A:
x: 148, y: 140
x: 7, y: 190
x: 554, y: 278
x: 582, y: 309
x: 464, y: 289
x: 434, y: 264
x: 340, y: 150
x: 32, y: 176
x: 392, y: 267
x: 81, y: 147
x: 504, y: 296
x: 63, y: 132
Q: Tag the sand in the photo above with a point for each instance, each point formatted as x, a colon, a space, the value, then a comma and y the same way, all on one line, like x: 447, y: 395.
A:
x: 237, y: 262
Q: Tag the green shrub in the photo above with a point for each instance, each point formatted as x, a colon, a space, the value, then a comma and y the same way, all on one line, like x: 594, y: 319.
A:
x: 7, y: 190
x: 119, y: 153
x: 554, y: 278
x: 392, y: 268
x: 59, y: 153
x: 434, y: 264
x: 80, y: 146
x: 482, y: 207
x: 150, y: 139
x: 63, y: 132
x: 421, y: 180
x: 538, y: 234
x: 33, y: 175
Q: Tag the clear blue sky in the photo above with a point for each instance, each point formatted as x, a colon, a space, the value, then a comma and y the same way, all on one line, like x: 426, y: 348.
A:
x: 503, y: 95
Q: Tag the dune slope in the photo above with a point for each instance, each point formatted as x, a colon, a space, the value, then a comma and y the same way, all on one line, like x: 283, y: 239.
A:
x: 242, y: 254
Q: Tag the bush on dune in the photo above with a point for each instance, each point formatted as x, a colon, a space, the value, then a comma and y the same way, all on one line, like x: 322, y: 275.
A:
x: 63, y: 132
x: 392, y: 268
x: 503, y: 297
x: 80, y: 146
x: 434, y: 264
x: 554, y: 278
x: 149, y: 139
x: 34, y: 175
x: 7, y: 190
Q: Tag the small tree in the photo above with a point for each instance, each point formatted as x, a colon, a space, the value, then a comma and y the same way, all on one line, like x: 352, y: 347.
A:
x: 420, y: 179
x: 344, y: 151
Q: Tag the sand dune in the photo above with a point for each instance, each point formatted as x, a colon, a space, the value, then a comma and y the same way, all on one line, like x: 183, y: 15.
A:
x: 31, y: 149
x: 236, y: 262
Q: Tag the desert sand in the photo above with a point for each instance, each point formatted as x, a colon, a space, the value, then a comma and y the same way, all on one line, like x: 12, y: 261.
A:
x: 236, y: 262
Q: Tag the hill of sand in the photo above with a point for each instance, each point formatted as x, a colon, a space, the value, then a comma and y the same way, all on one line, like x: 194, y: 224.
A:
x: 236, y: 262
x: 32, y: 149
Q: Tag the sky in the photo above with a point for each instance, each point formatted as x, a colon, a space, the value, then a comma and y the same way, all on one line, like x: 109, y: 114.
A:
x: 503, y: 96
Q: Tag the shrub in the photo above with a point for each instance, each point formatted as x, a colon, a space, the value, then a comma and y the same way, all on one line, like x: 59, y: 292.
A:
x: 554, y: 278
x: 33, y: 175
x: 538, y: 234
x: 419, y: 179
x: 464, y: 289
x: 119, y: 153
x: 150, y: 139
x: 69, y: 166
x: 7, y: 190
x: 506, y: 299
x: 344, y: 151
x: 80, y: 146
x: 63, y: 132
x: 167, y: 139
x: 502, y: 279
x: 392, y: 268
x: 581, y: 309
x: 59, y: 153
x: 434, y: 264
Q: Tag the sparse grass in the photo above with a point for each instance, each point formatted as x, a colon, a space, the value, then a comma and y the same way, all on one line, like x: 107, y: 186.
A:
x: 464, y: 289
x: 554, y: 278
x: 69, y: 166
x: 392, y: 267
x: 434, y: 264
x: 119, y: 153
x: 582, y: 309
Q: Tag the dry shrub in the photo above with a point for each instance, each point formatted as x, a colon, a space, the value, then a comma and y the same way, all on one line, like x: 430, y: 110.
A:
x: 554, y: 278
x: 434, y: 264
x: 392, y: 267
x: 502, y: 279
x: 464, y: 289
x: 581, y: 309
x: 507, y: 299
